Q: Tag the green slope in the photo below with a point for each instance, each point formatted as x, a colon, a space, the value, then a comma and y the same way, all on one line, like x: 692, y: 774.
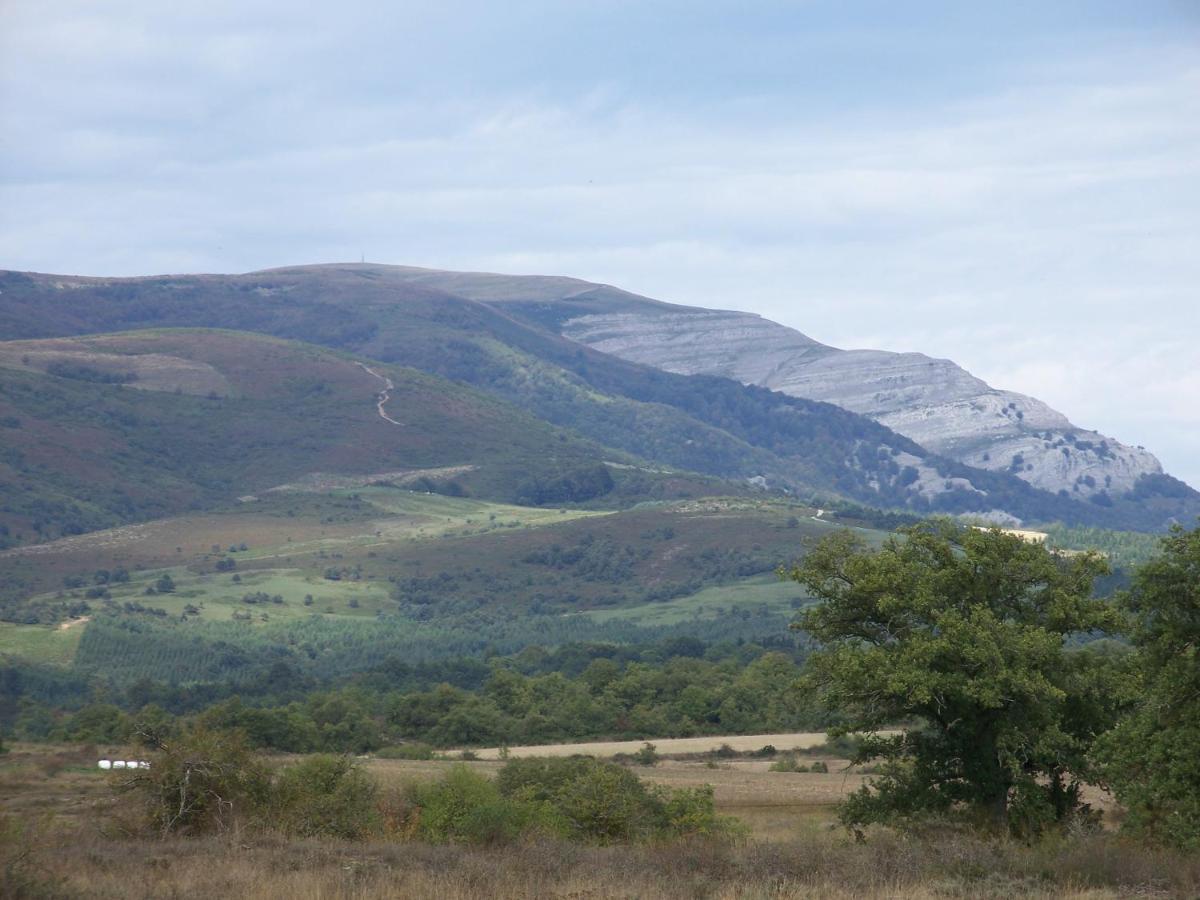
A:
x: 215, y: 415
x: 425, y: 578
x: 710, y: 425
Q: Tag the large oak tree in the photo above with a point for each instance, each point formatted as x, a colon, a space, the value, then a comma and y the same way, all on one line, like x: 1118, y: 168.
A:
x: 967, y: 639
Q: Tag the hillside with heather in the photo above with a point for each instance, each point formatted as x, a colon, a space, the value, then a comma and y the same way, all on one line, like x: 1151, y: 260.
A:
x: 512, y: 349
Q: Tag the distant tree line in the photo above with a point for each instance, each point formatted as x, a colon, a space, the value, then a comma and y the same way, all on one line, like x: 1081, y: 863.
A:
x: 680, y: 687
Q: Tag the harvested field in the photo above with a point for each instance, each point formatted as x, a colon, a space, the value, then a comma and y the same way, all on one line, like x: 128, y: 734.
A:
x: 802, y: 740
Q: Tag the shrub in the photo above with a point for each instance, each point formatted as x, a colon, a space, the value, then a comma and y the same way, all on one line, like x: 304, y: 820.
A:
x: 412, y: 750
x: 587, y: 799
x: 844, y: 746
x: 692, y: 811
x: 325, y: 796
x: 787, y: 763
x: 204, y: 781
x: 819, y: 766
x: 647, y: 756
x: 464, y: 807
x: 607, y: 803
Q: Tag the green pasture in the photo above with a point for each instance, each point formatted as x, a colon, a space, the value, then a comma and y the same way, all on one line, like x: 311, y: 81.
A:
x: 434, y: 514
x: 778, y: 596
x: 414, y: 516
x: 217, y: 596
x: 40, y: 643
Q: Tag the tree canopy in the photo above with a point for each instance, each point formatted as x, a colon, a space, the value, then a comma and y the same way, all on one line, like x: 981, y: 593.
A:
x: 964, y: 636
x: 1151, y: 760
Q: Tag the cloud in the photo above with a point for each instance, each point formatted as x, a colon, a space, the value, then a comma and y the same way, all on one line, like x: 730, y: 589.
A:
x: 1025, y: 207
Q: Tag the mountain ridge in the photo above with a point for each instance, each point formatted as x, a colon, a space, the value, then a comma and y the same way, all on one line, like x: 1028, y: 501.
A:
x: 512, y: 347
x: 934, y: 401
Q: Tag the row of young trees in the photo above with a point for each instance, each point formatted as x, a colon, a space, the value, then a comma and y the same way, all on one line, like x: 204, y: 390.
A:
x: 974, y: 637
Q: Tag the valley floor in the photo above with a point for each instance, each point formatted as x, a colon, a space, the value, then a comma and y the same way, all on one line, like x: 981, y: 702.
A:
x: 59, y: 838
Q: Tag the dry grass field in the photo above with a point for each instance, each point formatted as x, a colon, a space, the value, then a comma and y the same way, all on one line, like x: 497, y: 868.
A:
x: 742, y: 742
x: 775, y: 806
x: 61, y: 836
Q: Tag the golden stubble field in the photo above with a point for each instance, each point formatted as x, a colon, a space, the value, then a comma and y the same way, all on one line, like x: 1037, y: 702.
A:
x: 800, y: 740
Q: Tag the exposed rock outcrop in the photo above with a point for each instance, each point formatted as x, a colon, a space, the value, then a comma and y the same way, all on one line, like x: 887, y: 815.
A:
x: 933, y: 401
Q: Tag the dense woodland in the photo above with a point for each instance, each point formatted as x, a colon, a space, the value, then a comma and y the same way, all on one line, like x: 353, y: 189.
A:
x: 682, y: 686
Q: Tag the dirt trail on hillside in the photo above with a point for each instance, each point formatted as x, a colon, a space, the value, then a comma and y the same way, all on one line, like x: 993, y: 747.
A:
x: 384, y: 395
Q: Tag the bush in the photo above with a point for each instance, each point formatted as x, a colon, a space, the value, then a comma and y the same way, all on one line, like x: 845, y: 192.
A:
x: 844, y: 746
x: 586, y: 799
x: 205, y: 781
x: 325, y: 796
x: 647, y: 756
x: 787, y: 763
x: 412, y: 750
x: 464, y: 807
x: 606, y: 803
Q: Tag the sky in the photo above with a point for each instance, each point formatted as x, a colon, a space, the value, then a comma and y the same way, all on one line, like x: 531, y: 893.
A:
x: 1015, y: 186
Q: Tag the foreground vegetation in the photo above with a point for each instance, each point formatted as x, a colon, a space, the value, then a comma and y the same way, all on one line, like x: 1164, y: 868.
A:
x: 1020, y: 701
x: 969, y: 634
x: 60, y: 838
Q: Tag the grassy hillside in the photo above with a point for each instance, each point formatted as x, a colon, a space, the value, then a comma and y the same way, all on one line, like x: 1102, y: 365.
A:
x: 104, y: 430
x: 339, y: 581
x: 708, y: 425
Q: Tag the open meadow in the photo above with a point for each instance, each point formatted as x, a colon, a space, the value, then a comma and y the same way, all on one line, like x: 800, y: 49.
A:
x: 63, y: 833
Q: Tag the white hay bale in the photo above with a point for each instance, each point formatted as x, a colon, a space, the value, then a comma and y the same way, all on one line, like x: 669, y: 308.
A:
x: 105, y: 764
x: 118, y: 764
x: 131, y: 764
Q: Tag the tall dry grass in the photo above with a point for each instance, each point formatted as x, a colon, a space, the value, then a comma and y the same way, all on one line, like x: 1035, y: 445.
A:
x: 61, y: 836
x: 79, y: 863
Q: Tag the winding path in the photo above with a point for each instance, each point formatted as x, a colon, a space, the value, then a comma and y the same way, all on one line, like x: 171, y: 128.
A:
x: 384, y: 395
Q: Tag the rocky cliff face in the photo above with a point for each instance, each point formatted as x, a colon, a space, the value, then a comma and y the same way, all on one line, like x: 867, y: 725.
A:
x: 933, y: 401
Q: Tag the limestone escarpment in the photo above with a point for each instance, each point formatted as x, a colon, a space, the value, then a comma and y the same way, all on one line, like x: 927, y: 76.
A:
x: 933, y: 401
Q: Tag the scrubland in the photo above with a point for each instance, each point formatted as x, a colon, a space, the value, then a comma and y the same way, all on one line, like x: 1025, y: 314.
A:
x: 64, y: 835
